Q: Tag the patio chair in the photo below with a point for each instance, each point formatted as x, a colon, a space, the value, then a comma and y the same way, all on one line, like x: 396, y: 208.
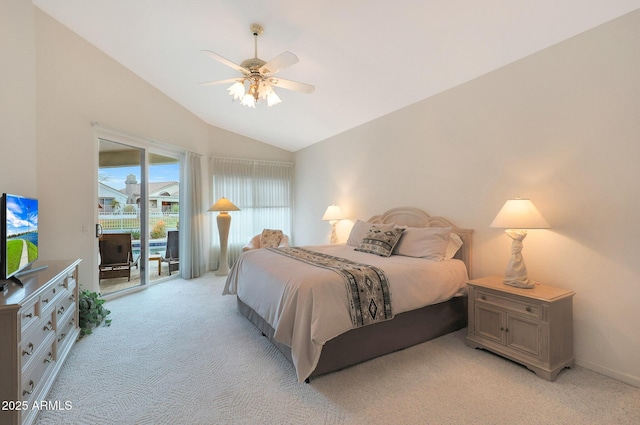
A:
x: 116, y: 256
x: 172, y: 254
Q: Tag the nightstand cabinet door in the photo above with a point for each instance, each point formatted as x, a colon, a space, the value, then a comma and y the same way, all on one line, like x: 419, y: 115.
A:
x: 490, y: 323
x: 523, y: 334
x: 533, y: 327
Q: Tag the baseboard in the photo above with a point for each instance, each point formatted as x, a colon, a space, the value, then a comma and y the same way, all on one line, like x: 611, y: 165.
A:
x: 623, y: 377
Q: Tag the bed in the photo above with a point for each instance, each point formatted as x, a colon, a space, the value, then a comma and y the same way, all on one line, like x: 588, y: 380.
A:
x: 307, y: 311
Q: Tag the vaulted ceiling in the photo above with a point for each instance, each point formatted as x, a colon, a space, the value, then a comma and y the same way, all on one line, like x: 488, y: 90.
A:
x: 366, y: 58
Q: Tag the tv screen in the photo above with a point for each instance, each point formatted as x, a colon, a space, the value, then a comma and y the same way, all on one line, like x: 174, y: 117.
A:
x: 19, y: 238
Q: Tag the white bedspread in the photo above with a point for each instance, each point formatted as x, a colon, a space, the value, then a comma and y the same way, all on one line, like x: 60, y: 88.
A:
x: 307, y: 305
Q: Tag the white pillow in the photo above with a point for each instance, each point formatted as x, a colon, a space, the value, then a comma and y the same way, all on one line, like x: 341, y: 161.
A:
x: 360, y: 229
x: 424, y: 242
x: 454, y: 245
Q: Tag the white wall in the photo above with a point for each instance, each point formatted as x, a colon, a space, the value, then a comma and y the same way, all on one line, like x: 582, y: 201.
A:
x: 560, y: 127
x: 18, y: 168
x: 77, y: 85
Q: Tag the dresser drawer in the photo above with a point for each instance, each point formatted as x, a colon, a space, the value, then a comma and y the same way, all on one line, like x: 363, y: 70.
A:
x: 67, y: 302
x: 66, y: 329
x: 38, y: 370
x: 32, y: 341
x: 29, y: 313
x: 50, y: 296
x: 524, y: 308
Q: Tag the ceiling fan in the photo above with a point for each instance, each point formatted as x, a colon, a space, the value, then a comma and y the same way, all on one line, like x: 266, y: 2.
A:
x: 259, y: 75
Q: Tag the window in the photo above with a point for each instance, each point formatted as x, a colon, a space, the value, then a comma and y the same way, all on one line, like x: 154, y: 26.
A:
x: 263, y: 190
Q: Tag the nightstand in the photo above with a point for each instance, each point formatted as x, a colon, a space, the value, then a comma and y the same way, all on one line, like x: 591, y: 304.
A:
x: 533, y: 327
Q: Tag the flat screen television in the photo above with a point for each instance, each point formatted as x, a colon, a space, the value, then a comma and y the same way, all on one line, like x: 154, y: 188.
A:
x: 18, y: 235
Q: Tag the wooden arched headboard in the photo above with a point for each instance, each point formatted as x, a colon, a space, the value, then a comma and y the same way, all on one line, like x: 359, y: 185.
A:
x: 414, y: 217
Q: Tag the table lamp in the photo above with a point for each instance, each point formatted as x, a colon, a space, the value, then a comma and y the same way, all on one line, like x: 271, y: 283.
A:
x: 223, y: 205
x: 515, y: 216
x: 332, y: 215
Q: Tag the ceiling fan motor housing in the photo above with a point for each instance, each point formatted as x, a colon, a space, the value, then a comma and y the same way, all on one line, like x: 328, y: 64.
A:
x: 252, y: 64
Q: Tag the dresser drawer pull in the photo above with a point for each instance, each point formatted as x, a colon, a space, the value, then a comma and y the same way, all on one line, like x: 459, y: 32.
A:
x: 25, y: 392
x: 48, y: 326
x: 528, y: 309
x: 61, y: 309
x: 482, y: 297
x: 46, y: 300
x: 28, y: 315
x: 61, y: 337
x: 28, y: 353
x: 49, y: 358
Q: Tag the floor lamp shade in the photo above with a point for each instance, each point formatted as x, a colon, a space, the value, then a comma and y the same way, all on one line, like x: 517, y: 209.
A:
x: 223, y: 206
x: 516, y: 216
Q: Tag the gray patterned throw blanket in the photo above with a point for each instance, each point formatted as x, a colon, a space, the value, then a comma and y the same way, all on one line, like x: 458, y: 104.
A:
x: 367, y: 286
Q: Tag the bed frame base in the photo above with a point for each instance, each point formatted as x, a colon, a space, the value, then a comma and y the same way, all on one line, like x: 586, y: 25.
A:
x: 368, y: 342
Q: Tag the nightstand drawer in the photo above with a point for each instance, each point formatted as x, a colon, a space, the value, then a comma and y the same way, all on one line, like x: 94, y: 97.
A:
x: 524, y: 308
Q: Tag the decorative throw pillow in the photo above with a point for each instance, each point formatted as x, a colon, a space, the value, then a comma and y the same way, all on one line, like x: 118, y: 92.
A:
x: 360, y: 229
x: 270, y: 238
x: 424, y: 242
x: 380, y: 241
x: 455, y: 242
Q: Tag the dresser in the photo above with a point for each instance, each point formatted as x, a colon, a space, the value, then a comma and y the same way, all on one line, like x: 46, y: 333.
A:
x: 38, y: 327
x: 533, y: 327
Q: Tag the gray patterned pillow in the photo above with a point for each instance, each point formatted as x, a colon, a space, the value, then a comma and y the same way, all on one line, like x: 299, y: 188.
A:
x: 380, y: 241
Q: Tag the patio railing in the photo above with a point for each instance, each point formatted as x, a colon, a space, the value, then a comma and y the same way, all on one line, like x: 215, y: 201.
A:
x: 121, y: 221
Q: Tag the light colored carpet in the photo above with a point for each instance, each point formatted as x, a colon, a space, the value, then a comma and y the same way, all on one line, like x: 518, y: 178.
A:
x: 180, y: 353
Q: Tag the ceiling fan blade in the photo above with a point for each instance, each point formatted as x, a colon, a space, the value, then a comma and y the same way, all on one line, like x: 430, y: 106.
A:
x: 292, y: 85
x: 278, y: 63
x: 225, y: 61
x: 215, y: 83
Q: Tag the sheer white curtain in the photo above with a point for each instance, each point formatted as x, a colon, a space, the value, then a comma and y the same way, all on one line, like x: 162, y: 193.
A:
x: 263, y: 190
x: 193, y: 260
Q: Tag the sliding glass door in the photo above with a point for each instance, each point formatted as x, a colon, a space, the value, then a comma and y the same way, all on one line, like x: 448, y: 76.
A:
x: 138, y: 214
x: 164, y: 216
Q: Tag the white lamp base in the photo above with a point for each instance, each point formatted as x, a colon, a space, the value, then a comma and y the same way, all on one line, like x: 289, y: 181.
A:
x: 516, y: 272
x: 333, y: 237
x: 224, y: 222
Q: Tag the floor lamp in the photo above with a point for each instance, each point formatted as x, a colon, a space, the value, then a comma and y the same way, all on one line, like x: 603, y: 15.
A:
x: 223, y: 205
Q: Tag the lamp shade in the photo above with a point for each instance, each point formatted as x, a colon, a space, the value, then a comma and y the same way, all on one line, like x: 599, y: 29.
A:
x: 333, y: 212
x: 519, y: 214
x: 223, y: 204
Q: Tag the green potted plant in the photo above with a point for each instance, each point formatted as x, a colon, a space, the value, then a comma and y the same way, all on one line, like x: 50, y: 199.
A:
x: 91, y: 312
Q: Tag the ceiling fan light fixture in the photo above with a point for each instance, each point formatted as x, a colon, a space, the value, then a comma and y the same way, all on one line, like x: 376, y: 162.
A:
x: 251, y: 97
x: 273, y: 99
x: 237, y: 90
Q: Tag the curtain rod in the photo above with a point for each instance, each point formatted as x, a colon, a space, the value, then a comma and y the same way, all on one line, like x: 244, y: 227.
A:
x: 254, y: 160
x: 138, y: 138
